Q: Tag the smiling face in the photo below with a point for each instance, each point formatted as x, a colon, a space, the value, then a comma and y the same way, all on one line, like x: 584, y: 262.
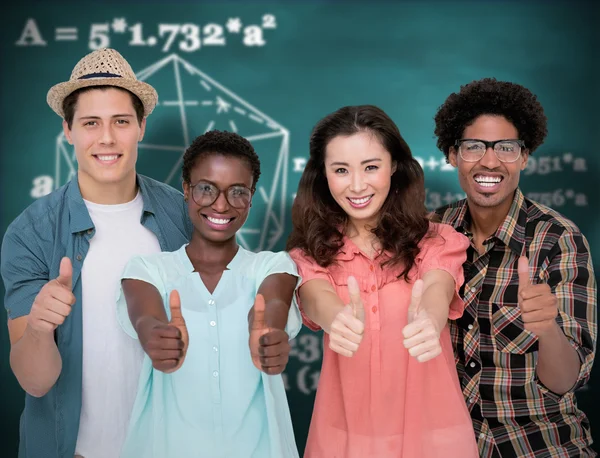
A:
x: 489, y: 182
x: 358, y: 170
x: 219, y: 221
x: 105, y: 133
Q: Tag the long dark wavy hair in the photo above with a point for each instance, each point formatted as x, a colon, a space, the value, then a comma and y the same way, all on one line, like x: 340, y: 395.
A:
x: 317, y: 219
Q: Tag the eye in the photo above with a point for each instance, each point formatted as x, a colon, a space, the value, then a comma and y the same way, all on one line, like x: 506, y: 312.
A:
x: 238, y: 192
x: 90, y: 123
x: 122, y: 121
x: 204, y: 188
x: 371, y: 168
x: 340, y: 170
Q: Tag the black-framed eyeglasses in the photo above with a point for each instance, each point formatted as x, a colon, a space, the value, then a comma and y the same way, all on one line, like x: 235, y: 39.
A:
x: 205, y: 194
x: 473, y: 149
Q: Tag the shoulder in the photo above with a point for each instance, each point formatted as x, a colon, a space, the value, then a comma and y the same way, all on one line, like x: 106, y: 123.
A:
x: 441, y: 234
x: 548, y: 219
x: 449, y: 214
x: 264, y: 259
x: 159, y: 189
x: 158, y: 260
x: 43, y: 213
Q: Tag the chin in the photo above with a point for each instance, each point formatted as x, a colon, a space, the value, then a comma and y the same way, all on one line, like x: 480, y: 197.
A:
x: 488, y: 201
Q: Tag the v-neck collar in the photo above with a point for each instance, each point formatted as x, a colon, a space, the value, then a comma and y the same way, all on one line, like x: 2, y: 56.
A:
x: 189, y: 267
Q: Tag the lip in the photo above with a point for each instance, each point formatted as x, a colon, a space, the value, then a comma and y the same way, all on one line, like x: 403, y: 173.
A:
x: 361, y: 205
x: 107, y: 163
x: 217, y: 226
x: 486, y: 188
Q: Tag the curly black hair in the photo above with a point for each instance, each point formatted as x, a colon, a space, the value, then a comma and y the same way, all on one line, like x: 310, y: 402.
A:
x: 489, y: 96
x: 221, y: 143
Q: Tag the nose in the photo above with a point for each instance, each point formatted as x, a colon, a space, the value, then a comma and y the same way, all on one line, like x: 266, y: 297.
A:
x: 489, y: 159
x: 107, y: 137
x: 220, y: 205
x: 357, y: 182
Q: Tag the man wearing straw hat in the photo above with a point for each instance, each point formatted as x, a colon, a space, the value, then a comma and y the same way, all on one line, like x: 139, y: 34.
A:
x: 61, y: 262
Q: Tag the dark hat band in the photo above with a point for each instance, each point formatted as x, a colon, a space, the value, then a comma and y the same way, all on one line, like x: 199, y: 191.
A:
x: 99, y: 75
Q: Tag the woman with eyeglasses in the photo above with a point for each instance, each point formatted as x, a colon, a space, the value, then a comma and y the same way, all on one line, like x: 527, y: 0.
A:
x: 214, y: 321
x: 381, y: 281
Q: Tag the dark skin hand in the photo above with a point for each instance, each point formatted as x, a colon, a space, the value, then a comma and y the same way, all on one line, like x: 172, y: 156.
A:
x: 269, y: 343
x: 164, y: 341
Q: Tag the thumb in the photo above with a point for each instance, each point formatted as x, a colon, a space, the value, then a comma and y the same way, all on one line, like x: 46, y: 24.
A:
x: 415, y: 300
x: 523, y: 270
x: 354, y: 293
x: 65, y: 273
x: 259, y: 313
x: 175, y: 307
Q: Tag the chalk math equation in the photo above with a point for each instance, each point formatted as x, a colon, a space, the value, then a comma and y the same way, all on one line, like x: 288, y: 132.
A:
x: 186, y: 37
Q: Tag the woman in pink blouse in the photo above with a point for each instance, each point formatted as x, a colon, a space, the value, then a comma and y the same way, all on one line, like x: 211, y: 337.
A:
x: 381, y: 281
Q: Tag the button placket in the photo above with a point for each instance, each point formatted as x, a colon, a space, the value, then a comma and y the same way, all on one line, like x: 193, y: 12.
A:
x: 214, y: 357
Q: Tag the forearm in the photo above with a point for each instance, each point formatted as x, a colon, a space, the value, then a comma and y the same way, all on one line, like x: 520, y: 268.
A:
x: 278, y: 292
x: 144, y: 303
x: 436, y: 302
x: 276, y: 313
x: 36, y: 362
x: 558, y: 362
x: 324, y: 310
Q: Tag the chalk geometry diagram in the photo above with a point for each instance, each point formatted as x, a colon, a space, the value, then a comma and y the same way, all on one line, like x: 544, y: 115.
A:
x: 191, y: 103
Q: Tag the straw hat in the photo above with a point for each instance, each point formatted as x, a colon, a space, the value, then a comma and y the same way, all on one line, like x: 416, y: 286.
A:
x: 99, y: 68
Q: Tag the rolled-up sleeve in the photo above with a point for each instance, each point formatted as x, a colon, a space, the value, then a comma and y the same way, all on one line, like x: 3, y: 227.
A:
x: 571, y: 278
x: 24, y: 272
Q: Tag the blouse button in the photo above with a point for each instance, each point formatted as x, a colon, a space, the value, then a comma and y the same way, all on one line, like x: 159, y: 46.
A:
x: 371, y: 268
x: 374, y: 309
x: 373, y: 288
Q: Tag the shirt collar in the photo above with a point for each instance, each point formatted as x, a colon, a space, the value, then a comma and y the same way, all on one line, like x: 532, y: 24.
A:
x: 189, y: 267
x: 512, y: 230
x: 79, y: 216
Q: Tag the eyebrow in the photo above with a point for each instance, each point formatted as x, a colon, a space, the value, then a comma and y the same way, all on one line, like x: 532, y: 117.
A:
x: 215, y: 184
x: 375, y: 159
x: 127, y: 115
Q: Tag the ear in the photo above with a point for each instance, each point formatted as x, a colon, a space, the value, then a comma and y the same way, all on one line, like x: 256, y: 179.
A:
x: 394, y: 167
x: 452, y: 157
x: 186, y: 191
x: 67, y: 132
x: 525, y: 155
x: 142, y: 129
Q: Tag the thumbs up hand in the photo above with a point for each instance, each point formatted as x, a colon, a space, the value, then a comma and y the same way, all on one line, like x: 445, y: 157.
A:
x: 166, y: 344
x: 269, y: 347
x: 421, y: 337
x: 348, y: 326
x: 539, y: 307
x: 53, y: 303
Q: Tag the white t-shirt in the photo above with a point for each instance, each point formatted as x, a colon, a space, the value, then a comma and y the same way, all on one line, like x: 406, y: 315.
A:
x: 111, y: 359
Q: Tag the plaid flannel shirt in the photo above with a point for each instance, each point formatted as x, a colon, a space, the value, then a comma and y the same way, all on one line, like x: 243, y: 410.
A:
x: 514, y: 414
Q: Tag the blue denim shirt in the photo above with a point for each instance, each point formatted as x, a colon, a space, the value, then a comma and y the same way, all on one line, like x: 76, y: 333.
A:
x: 54, y: 226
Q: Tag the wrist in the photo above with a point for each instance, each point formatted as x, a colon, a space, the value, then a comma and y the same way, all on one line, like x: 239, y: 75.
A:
x: 145, y: 322
x: 554, y: 331
x: 39, y: 335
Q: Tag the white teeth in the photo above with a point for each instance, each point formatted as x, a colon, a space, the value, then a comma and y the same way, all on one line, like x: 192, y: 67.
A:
x: 218, y: 220
x: 364, y: 200
x: 108, y: 158
x: 487, y: 181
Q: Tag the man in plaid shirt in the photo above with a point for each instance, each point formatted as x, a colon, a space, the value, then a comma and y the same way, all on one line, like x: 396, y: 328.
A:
x: 527, y: 338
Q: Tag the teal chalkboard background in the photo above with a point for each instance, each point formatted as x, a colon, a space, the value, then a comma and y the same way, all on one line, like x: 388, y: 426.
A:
x: 287, y: 65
